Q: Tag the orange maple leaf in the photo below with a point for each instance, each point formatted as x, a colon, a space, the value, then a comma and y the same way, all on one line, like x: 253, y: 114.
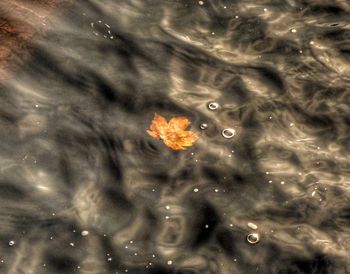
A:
x: 173, y: 133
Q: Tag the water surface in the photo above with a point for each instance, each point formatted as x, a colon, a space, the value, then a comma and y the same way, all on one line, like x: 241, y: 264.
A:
x: 84, y: 189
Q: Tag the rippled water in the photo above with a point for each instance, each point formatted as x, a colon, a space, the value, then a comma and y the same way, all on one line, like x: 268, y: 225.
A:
x: 84, y: 188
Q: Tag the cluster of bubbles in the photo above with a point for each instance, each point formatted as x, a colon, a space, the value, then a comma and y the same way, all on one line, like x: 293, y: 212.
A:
x: 102, y: 29
x: 253, y: 237
x: 227, y: 133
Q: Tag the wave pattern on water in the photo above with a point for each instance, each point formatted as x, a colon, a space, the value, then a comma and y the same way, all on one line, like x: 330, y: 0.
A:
x: 75, y: 155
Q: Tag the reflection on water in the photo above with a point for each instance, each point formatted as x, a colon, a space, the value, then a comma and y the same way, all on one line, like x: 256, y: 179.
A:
x: 84, y: 188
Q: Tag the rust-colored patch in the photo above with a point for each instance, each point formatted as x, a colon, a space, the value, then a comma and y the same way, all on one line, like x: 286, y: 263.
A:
x: 173, y: 133
x: 20, y: 21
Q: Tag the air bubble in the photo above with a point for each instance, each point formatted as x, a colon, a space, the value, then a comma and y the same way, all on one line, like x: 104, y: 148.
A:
x: 253, y: 238
x: 203, y: 126
x: 84, y: 233
x: 213, y: 106
x: 11, y: 243
x: 252, y: 226
x: 228, y: 133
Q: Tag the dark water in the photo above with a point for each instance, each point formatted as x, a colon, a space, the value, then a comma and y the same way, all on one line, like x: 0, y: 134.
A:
x: 75, y: 156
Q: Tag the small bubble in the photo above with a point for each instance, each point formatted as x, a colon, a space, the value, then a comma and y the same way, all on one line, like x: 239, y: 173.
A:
x: 201, y: 3
x: 228, y: 133
x: 213, y: 106
x: 170, y: 262
x: 206, y: 226
x: 253, y: 238
x: 216, y: 190
x: 167, y: 207
x: 203, y: 126
x: 291, y: 124
x: 11, y: 243
x: 265, y: 9
x: 196, y: 190
x: 282, y: 182
x: 84, y: 233
x: 252, y: 226
x: 293, y: 30
x: 71, y: 244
